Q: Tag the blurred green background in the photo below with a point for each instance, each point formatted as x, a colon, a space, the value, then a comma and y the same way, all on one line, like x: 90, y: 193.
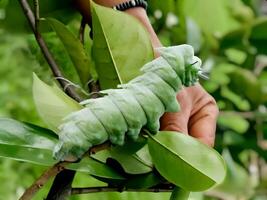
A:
x: 230, y: 36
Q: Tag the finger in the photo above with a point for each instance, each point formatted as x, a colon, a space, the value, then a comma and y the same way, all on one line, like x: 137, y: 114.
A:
x: 202, y: 122
x: 178, y: 121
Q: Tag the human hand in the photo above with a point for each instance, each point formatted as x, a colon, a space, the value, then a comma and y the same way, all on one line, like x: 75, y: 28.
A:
x: 197, y: 117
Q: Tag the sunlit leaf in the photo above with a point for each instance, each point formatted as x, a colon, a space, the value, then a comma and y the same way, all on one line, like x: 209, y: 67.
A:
x: 119, y: 52
x: 52, y: 103
x: 196, y: 169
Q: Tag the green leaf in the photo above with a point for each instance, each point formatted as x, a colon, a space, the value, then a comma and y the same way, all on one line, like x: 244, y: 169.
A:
x: 179, y: 194
x: 76, y: 51
x: 258, y: 38
x: 130, y: 162
x: 233, y: 39
x: 26, y: 142
x: 244, y: 82
x: 119, y: 51
x: 52, y: 104
x: 95, y: 168
x: 238, y: 101
x: 185, y: 161
x: 27, y: 154
x: 17, y: 133
x: 234, y: 122
x: 143, y: 181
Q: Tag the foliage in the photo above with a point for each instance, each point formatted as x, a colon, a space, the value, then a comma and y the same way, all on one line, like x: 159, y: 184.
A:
x: 230, y: 39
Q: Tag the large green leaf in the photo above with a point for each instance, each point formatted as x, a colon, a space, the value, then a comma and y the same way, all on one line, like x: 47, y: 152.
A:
x: 74, y: 47
x: 121, y: 46
x: 185, y: 161
x: 52, y: 103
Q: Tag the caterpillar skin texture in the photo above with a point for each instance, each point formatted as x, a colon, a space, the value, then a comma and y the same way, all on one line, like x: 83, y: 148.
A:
x: 123, y: 112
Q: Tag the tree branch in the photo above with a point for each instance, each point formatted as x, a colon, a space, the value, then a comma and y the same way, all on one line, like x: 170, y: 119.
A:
x: 48, y: 56
x: 42, y: 180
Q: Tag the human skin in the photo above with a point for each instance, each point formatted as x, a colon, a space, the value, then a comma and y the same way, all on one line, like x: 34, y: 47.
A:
x: 198, y: 114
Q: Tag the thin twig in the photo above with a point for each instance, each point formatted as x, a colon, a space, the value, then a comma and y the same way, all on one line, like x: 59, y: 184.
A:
x: 48, y: 56
x: 88, y: 190
x: 42, y: 180
x: 36, y: 14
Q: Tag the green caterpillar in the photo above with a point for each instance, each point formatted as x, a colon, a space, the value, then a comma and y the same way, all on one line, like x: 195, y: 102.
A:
x: 126, y: 110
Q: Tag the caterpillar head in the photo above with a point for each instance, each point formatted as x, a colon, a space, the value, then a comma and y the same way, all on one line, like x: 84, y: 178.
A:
x: 183, y: 61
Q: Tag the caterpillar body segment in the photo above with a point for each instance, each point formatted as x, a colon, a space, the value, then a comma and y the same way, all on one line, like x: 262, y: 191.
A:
x: 126, y: 110
x: 169, y: 76
x: 160, y: 88
x: 129, y: 106
x: 110, y: 117
x: 150, y: 103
